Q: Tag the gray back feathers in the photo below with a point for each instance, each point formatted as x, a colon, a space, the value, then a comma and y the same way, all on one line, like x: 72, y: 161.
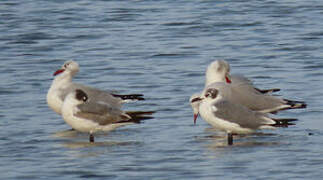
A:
x: 102, y: 114
x: 239, y: 114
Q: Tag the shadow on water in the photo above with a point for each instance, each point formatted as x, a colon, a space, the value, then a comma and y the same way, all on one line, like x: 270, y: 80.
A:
x: 77, y: 145
x: 66, y: 133
x: 218, y: 140
x: 223, y: 144
x: 74, y: 142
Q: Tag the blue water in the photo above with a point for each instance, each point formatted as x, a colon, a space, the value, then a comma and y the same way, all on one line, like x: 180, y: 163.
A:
x: 160, y: 49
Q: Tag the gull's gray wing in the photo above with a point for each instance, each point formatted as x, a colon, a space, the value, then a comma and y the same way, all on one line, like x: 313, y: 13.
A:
x: 255, y: 100
x: 98, y: 95
x: 94, y: 95
x: 238, y: 78
x: 248, y: 84
x: 239, y: 114
x: 252, y: 99
x: 242, y: 83
x: 102, y: 114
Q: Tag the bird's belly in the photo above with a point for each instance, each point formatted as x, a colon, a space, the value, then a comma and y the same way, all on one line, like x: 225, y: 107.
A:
x: 224, y: 125
x: 80, y: 124
x: 88, y: 126
x: 228, y: 127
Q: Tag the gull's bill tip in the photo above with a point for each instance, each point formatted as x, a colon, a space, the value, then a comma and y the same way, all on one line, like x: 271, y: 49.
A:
x: 195, y: 117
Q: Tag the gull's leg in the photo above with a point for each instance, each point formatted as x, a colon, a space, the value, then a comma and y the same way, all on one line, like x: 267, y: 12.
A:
x: 91, y: 138
x: 230, y: 139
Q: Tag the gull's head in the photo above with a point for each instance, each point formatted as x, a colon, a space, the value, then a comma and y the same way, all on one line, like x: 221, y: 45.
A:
x: 212, y: 93
x: 195, y: 101
x: 218, y: 71
x: 69, y: 67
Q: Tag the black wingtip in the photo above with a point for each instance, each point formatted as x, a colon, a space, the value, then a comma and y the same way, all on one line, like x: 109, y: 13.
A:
x: 130, y: 96
x: 266, y: 91
x: 140, y: 113
x: 138, y: 116
x: 284, y: 122
x: 296, y: 104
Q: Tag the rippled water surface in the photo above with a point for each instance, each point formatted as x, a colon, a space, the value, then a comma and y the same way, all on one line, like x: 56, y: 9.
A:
x: 160, y: 49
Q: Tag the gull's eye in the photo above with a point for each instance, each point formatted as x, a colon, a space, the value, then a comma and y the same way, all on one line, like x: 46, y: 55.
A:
x: 66, y: 64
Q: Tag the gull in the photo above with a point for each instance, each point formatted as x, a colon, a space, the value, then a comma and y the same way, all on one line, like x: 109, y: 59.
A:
x: 219, y: 71
x: 195, y: 100
x: 235, y: 118
x: 91, y: 117
x: 62, y: 85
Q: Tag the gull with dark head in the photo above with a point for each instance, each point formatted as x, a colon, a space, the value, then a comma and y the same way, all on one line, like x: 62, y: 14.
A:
x: 234, y: 118
x: 91, y: 117
x: 63, y: 85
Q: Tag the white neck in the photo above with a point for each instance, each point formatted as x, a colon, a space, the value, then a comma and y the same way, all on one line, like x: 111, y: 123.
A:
x: 62, y: 79
x: 212, y: 77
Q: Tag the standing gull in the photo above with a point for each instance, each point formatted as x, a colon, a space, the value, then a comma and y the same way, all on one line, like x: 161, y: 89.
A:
x: 91, y: 117
x: 235, y: 118
x: 62, y: 85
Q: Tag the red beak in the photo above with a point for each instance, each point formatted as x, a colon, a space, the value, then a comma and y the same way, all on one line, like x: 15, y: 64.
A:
x: 227, y: 79
x: 195, y: 117
x: 58, y: 72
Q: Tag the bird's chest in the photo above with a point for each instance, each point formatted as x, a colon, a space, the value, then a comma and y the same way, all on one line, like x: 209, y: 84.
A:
x: 207, y: 113
x: 55, y: 99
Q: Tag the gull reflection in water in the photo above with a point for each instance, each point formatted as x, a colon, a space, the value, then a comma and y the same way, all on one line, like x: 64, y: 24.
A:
x: 77, y: 145
x: 219, y: 139
x: 75, y: 142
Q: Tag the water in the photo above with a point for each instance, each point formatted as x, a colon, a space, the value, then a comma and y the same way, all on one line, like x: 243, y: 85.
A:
x: 161, y: 49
